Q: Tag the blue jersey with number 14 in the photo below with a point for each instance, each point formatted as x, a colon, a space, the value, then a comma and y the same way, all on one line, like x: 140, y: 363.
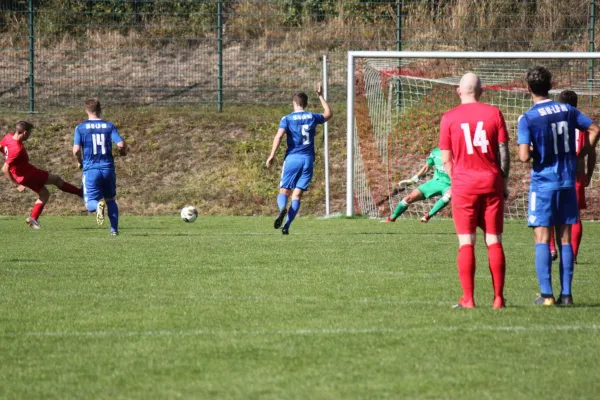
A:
x: 300, y: 128
x: 549, y: 127
x: 96, y: 138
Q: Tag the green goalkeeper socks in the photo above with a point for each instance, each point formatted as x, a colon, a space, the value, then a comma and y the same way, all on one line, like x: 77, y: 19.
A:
x: 400, y: 208
x: 437, y: 207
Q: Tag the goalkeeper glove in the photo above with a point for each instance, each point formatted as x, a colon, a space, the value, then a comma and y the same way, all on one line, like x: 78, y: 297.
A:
x: 410, y: 181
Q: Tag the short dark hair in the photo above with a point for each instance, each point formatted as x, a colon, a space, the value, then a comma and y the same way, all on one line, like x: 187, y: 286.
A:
x: 93, y: 106
x: 568, y: 97
x: 301, y: 99
x: 539, y: 80
x: 24, y: 126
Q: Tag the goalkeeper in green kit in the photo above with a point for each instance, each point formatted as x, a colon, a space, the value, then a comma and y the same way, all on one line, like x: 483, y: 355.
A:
x: 438, y: 186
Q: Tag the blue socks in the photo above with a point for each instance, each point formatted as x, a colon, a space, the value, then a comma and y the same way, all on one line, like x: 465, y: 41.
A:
x: 292, y: 212
x: 113, y: 215
x: 566, y: 268
x: 281, y: 201
x: 543, y: 267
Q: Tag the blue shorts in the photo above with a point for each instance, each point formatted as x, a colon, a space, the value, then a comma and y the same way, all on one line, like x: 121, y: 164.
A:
x: 99, y: 184
x: 297, y: 172
x: 553, y: 207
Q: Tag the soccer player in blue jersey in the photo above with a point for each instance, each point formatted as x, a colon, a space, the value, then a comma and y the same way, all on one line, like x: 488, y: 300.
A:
x: 547, y: 135
x: 92, y: 147
x: 300, y: 128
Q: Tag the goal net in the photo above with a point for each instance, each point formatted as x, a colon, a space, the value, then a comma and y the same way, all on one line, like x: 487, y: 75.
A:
x: 395, y: 104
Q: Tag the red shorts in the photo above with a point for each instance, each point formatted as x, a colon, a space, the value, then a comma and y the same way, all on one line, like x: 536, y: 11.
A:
x: 31, y: 177
x: 470, y: 211
x: 580, y: 190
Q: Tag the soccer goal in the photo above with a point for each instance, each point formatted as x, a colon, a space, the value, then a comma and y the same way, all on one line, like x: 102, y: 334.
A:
x: 396, y: 100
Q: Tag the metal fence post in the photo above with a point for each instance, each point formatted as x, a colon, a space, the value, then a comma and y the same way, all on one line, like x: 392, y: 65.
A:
x: 326, y: 138
x: 592, y: 33
x: 31, y: 58
x: 220, y: 55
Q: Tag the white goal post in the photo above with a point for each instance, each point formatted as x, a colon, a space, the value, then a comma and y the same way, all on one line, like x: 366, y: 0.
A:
x: 404, y: 80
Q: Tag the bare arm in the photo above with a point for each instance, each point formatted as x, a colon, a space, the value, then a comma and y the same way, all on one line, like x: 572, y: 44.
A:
x: 504, y: 159
x: 276, y: 143
x: 594, y: 132
x: 327, y: 113
x: 524, y: 153
x: 422, y: 171
x: 448, y: 161
x: 591, y: 165
x: 122, y: 146
x: 5, y: 170
x: 77, y: 155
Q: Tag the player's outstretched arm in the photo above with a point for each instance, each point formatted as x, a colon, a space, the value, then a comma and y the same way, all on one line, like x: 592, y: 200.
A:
x: 327, y: 113
x: 415, y: 177
x: 276, y: 143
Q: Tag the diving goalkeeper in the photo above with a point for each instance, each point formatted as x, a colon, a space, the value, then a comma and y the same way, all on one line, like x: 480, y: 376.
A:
x: 438, y: 186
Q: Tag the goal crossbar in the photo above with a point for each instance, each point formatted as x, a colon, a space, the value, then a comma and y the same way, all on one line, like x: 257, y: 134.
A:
x: 351, y: 89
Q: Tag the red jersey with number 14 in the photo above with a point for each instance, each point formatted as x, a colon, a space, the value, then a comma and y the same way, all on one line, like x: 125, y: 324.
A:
x: 472, y: 132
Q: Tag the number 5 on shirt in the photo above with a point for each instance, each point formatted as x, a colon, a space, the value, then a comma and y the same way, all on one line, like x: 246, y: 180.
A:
x: 480, y: 139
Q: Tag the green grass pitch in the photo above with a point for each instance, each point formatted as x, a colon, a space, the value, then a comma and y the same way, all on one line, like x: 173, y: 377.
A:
x: 227, y: 307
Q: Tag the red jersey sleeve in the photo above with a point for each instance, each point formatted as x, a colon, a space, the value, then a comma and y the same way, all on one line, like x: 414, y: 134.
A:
x: 12, y: 150
x: 445, y: 140
x: 502, y: 130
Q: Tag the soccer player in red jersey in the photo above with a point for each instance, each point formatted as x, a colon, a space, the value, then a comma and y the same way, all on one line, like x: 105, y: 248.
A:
x: 585, y: 170
x: 474, y: 144
x: 22, y: 174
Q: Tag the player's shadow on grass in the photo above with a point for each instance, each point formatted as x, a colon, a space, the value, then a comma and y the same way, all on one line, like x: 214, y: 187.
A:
x: 23, y: 261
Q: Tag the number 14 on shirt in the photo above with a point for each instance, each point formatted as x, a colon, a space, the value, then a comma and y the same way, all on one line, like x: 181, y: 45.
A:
x: 480, y: 139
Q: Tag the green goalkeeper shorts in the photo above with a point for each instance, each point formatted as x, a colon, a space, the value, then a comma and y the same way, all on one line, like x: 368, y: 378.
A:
x: 433, y: 187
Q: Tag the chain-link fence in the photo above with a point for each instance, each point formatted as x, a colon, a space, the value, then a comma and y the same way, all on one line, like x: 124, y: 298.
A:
x: 56, y: 52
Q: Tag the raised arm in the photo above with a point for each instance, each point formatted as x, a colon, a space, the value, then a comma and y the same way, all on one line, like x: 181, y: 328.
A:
x: 276, y: 143
x: 327, y: 113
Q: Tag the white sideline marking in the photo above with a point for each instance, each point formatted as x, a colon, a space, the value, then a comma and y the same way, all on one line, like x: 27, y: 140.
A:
x: 309, y: 331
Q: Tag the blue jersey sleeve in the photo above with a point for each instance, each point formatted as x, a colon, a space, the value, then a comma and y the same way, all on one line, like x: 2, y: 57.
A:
x: 319, y: 118
x: 77, y: 138
x: 114, y: 135
x: 284, y: 123
x: 583, y: 121
x: 524, y: 135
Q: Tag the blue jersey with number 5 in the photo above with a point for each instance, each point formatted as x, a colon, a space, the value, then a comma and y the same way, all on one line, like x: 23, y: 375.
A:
x: 96, y: 138
x: 300, y: 128
x: 549, y: 127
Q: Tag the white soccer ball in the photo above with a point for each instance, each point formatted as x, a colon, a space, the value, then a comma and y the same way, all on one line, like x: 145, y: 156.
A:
x: 189, y: 213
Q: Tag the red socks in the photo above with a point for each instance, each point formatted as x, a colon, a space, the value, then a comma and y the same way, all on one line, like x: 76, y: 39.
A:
x: 576, y: 235
x: 37, y: 210
x: 497, y: 267
x: 553, y: 240
x: 68, y: 188
x: 466, y: 271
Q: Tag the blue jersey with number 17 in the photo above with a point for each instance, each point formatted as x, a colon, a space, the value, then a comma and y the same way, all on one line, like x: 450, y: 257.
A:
x: 300, y: 128
x: 549, y: 127
x: 96, y: 138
